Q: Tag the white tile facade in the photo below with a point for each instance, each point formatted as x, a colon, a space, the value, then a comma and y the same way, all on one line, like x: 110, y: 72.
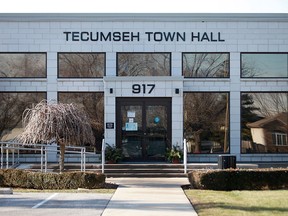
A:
x: 39, y: 34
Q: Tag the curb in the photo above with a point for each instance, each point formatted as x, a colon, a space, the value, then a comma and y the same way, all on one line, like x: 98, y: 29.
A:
x: 6, y: 191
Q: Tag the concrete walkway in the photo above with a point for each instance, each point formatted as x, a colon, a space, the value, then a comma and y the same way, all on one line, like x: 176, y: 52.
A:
x: 149, y: 196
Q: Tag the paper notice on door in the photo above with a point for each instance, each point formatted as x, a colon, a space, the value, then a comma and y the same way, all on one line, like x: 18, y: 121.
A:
x: 131, y: 114
x: 131, y: 126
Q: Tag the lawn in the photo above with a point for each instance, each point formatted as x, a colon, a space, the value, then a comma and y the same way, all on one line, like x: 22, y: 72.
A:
x: 209, y: 202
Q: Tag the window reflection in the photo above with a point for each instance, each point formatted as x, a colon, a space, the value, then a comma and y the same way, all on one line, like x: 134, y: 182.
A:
x: 23, y: 65
x: 206, y: 64
x: 206, y: 122
x: 76, y: 65
x: 143, y: 64
x: 264, y: 118
x: 12, y: 107
x: 264, y: 65
x: 93, y: 104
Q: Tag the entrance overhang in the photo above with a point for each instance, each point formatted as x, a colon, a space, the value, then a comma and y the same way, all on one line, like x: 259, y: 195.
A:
x: 144, y: 87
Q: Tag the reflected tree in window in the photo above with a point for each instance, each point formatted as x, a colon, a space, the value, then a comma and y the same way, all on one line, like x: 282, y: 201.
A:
x: 22, y: 65
x: 143, y: 64
x: 249, y: 69
x: 264, y: 65
x: 271, y: 103
x: 87, y: 65
x: 93, y: 104
x: 206, y: 122
x: 248, y: 114
x: 206, y: 64
x: 12, y: 107
x: 265, y: 129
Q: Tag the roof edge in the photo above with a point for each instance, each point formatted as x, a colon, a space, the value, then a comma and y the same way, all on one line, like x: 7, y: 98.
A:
x: 143, y: 17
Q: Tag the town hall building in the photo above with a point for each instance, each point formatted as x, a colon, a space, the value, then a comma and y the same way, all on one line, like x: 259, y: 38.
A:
x: 150, y: 81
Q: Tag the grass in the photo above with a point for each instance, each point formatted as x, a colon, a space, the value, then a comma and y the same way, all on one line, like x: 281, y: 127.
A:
x: 221, y: 203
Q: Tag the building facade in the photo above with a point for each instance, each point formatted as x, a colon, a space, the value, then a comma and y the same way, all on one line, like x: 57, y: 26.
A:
x: 149, y: 81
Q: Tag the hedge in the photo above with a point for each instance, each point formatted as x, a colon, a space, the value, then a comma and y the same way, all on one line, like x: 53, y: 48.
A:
x: 239, y: 179
x: 37, y: 180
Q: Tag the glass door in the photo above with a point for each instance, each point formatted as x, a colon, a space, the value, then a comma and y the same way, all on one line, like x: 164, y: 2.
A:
x: 131, y: 131
x: 144, y: 128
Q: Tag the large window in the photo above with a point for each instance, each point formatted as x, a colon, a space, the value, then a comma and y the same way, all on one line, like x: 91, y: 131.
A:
x: 264, y: 65
x: 264, y: 122
x: 12, y: 107
x: 23, y: 65
x: 93, y: 104
x: 81, y: 65
x: 206, y: 122
x: 144, y: 64
x: 205, y: 64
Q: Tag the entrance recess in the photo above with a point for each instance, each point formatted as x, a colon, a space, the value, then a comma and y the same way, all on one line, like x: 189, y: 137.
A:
x: 143, y: 128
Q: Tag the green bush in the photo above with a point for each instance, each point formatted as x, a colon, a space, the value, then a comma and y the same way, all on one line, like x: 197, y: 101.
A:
x: 38, y: 180
x: 239, y: 179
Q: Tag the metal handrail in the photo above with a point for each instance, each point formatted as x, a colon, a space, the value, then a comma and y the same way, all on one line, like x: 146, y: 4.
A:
x: 185, y: 155
x: 43, y: 150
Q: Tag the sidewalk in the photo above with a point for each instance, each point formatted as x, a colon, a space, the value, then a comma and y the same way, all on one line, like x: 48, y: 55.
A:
x: 149, y: 196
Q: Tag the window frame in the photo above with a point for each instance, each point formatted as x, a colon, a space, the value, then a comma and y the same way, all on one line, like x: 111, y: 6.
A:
x: 276, y: 138
x: 117, y: 61
x: 187, y: 77
x: 261, y: 77
x: 26, y: 92
x: 257, y: 153
x: 87, y: 92
x: 229, y: 121
x: 86, y: 77
x: 25, y: 77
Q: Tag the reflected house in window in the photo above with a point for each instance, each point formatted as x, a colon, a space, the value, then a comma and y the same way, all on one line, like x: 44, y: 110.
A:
x: 270, y: 134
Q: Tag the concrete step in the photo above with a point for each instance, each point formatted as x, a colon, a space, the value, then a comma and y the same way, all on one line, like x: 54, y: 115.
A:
x: 145, y: 175
x: 144, y: 170
x: 136, y: 169
x: 123, y: 170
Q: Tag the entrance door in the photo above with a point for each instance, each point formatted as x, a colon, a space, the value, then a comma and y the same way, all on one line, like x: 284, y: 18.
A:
x: 143, y: 128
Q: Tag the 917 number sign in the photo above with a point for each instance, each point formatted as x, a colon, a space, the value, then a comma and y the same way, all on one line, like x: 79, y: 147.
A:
x: 143, y: 88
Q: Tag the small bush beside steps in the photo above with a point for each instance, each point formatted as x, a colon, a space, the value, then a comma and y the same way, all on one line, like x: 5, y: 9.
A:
x: 239, y: 179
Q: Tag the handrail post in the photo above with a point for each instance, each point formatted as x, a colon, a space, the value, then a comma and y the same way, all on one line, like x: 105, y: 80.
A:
x: 185, y: 155
x: 7, y: 156
x: 84, y: 160
x: 81, y: 160
x: 45, y: 159
x: 18, y: 157
x: 41, y: 161
x: 13, y: 158
x: 2, y: 155
x: 103, y: 154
